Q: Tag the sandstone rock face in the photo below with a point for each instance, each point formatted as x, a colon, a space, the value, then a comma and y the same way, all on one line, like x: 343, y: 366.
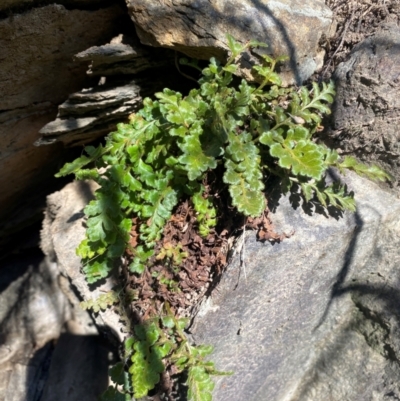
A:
x: 198, y: 28
x: 367, y: 106
x: 36, y: 74
x: 91, y: 113
x: 317, y: 317
x: 123, y: 56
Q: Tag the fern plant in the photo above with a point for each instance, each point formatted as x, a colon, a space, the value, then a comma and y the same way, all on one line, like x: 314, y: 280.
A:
x: 163, y: 155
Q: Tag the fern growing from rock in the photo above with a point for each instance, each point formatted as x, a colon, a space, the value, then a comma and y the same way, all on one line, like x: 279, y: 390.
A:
x: 163, y: 155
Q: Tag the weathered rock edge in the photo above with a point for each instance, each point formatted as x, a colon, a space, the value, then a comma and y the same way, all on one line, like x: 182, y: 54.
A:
x: 367, y: 105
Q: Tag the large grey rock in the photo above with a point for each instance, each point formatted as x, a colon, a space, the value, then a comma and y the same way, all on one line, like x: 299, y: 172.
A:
x: 314, y: 317
x: 49, y: 347
x: 318, y: 317
x: 78, y: 369
x: 367, y: 106
x: 198, y: 28
x: 37, y: 51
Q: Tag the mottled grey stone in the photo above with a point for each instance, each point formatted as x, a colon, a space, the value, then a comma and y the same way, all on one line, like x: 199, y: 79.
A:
x: 33, y: 312
x: 91, y: 113
x: 317, y: 317
x: 198, y: 28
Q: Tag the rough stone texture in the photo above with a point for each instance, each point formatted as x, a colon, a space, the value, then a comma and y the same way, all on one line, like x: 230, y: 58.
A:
x: 49, y: 348
x: 367, y: 109
x: 63, y: 230
x: 33, y: 311
x: 123, y: 55
x: 91, y: 113
x: 318, y: 316
x: 36, y: 74
x: 198, y: 28
x: 94, y: 112
x: 315, y: 317
x: 37, y: 51
x: 9, y: 6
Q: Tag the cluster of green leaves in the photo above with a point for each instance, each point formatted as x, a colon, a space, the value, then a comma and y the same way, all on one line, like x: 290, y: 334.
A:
x: 156, y: 343
x: 168, y: 147
x: 164, y: 154
x: 102, y: 302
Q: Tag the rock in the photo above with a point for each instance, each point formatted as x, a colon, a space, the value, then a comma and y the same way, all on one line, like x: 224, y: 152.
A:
x: 198, y: 28
x: 316, y: 316
x: 36, y: 74
x: 37, y: 50
x: 10, y: 6
x: 94, y: 112
x: 311, y: 318
x: 49, y: 347
x: 33, y: 312
x: 78, y: 370
x: 91, y: 113
x: 123, y: 56
x: 367, y: 105
x: 63, y: 230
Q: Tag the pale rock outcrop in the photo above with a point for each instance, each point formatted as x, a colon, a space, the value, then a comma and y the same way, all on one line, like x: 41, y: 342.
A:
x: 50, y: 348
x: 198, y: 28
x: 94, y: 112
x: 63, y: 230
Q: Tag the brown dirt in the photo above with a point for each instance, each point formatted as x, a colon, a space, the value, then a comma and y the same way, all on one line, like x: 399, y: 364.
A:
x: 356, y: 20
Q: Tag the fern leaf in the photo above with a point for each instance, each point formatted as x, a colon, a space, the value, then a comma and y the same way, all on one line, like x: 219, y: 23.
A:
x: 200, y: 384
x: 372, y: 172
x: 146, y: 360
x: 247, y: 201
x: 77, y: 164
x: 97, y: 268
x: 303, y: 158
x: 194, y: 159
x: 235, y: 47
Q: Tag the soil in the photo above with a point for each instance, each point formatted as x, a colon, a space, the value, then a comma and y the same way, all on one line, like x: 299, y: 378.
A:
x: 356, y: 20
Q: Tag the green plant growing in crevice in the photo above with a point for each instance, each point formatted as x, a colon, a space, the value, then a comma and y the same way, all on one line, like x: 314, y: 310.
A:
x: 156, y: 343
x: 163, y: 156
